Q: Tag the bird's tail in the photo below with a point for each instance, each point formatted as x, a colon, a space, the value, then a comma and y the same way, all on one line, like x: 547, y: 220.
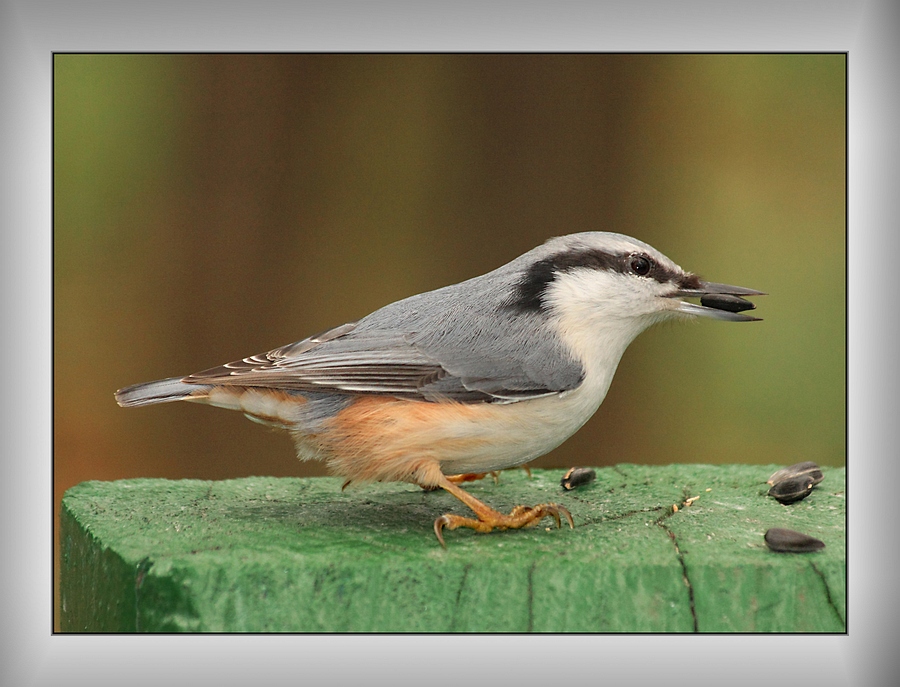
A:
x: 161, y: 391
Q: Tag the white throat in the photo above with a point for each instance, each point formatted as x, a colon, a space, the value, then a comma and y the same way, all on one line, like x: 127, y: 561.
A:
x: 597, y: 324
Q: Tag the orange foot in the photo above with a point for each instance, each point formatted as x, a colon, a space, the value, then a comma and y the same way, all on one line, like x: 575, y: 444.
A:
x: 488, y: 519
x: 465, y: 477
x: 474, y: 476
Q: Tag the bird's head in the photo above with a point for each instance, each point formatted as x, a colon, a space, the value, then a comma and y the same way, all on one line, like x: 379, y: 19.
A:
x: 598, y: 282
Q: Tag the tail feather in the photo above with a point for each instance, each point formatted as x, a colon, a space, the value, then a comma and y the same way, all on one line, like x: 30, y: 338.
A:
x: 161, y: 391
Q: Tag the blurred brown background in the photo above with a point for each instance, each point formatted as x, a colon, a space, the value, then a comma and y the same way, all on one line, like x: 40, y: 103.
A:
x: 211, y: 207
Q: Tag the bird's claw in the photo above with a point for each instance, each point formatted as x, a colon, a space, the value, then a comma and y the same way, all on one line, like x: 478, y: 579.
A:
x: 519, y: 517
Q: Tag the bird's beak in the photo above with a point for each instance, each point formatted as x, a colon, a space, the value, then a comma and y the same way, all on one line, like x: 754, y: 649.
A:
x: 718, y: 301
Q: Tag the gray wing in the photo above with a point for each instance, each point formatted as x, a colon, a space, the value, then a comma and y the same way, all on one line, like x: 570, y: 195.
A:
x: 380, y: 363
x: 458, y: 343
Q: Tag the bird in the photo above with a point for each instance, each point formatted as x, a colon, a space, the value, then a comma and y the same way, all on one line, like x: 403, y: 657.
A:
x: 475, y: 377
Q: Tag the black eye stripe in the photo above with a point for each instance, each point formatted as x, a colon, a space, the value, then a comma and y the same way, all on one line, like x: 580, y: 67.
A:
x: 529, y: 292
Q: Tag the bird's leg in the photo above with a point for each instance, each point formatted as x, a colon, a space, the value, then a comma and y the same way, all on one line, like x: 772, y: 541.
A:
x: 464, y: 477
x: 488, y: 519
x: 473, y: 476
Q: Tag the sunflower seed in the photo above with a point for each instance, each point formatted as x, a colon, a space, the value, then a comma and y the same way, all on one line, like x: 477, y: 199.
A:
x: 789, y: 541
x: 721, y: 301
x: 796, y: 470
x: 792, y: 489
x: 577, y: 477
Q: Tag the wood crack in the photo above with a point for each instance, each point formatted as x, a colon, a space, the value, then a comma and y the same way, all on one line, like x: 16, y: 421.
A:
x: 828, y: 594
x: 459, y: 591
x: 140, y: 573
x: 681, y: 562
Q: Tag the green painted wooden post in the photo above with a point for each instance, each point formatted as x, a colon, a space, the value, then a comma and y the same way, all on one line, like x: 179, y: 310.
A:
x: 272, y: 555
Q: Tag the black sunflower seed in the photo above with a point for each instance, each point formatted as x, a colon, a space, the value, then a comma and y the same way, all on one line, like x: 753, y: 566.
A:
x: 798, y: 470
x: 792, y: 489
x: 720, y: 301
x: 577, y: 477
x: 789, y: 541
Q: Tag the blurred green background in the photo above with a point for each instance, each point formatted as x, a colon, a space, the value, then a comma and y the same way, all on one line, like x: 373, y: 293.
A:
x: 209, y: 207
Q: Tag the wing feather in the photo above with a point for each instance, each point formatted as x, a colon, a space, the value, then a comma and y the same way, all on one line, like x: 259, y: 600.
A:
x: 382, y: 364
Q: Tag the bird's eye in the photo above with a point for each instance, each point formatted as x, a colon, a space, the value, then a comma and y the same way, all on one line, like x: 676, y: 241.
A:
x: 640, y: 265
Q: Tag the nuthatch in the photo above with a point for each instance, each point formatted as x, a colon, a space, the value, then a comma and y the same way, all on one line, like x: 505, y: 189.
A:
x: 475, y: 377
